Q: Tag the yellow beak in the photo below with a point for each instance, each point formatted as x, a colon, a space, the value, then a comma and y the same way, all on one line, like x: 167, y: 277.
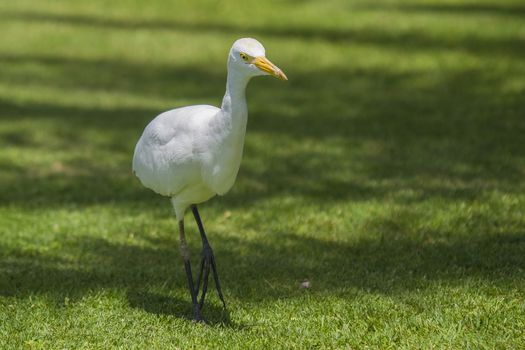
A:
x: 265, y: 65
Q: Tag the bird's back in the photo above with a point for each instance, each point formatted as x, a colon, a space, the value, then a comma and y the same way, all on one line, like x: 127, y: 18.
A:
x: 166, y: 159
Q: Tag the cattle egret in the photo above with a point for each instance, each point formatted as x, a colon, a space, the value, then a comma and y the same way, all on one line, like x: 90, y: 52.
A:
x: 192, y: 153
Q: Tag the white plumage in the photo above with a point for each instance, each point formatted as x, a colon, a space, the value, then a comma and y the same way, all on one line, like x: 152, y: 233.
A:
x: 193, y: 153
x: 177, y: 152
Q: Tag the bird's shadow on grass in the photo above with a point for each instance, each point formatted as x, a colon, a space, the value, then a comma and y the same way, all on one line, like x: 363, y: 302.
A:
x: 159, y: 304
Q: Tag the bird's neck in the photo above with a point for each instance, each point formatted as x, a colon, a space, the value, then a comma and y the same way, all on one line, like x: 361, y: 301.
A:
x: 234, y: 106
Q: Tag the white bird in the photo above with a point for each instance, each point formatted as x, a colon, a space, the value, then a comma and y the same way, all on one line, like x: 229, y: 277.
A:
x: 192, y: 153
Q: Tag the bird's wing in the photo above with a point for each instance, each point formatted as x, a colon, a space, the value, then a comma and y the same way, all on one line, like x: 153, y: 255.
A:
x: 165, y: 159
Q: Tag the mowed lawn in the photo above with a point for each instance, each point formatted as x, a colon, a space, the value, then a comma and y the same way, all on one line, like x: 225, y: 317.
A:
x: 389, y: 172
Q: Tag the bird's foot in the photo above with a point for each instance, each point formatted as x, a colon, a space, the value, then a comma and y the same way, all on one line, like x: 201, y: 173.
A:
x: 207, y: 264
x: 197, y: 317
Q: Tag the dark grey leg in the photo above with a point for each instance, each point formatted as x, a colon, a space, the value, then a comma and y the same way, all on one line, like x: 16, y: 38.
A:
x: 185, y: 252
x: 207, y: 262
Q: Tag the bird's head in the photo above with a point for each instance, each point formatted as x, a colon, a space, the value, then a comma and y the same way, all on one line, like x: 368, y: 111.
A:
x: 247, y: 56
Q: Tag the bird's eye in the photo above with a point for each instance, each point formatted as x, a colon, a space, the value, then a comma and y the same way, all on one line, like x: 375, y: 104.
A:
x: 244, y: 56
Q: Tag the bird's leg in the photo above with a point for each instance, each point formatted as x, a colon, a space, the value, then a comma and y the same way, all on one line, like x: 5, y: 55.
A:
x: 207, y: 263
x: 185, y: 252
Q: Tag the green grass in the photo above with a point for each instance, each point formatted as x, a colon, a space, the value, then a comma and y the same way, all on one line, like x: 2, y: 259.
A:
x: 389, y: 172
